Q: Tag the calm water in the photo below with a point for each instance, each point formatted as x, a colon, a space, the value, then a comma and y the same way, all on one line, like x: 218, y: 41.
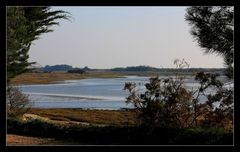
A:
x: 86, y: 93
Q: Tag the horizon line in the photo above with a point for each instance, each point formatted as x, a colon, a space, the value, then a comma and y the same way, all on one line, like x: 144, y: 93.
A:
x: 161, y: 67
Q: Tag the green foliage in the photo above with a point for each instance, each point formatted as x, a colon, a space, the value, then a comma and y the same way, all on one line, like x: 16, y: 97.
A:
x: 62, y: 67
x: 212, y: 28
x: 76, y: 70
x: 205, y: 136
x: 163, y: 71
x: 24, y: 25
x: 17, y: 42
x: 34, y: 127
x: 136, y: 68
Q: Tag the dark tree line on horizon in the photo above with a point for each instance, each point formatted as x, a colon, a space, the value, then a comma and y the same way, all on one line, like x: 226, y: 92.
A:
x: 141, y: 68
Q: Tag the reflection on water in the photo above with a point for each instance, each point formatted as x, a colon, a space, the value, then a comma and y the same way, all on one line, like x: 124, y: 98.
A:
x: 86, y: 93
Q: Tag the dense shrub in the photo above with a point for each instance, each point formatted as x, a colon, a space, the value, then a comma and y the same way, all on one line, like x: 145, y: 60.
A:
x: 121, y: 135
x: 204, y: 136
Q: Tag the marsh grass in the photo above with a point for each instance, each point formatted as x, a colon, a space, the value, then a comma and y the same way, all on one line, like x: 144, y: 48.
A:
x: 108, y: 117
x: 55, y: 77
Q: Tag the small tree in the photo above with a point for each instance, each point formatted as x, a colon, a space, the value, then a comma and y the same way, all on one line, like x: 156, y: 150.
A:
x: 17, y: 102
x: 164, y: 103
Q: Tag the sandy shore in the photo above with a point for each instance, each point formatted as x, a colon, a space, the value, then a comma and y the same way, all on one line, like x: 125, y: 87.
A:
x: 18, y: 140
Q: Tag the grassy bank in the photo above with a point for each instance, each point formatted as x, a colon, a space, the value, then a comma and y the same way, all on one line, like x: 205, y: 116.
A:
x: 15, y: 140
x: 108, y: 117
x: 55, y: 77
x: 117, y: 135
x: 119, y: 127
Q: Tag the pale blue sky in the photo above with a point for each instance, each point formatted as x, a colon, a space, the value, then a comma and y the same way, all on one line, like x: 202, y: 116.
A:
x: 106, y: 37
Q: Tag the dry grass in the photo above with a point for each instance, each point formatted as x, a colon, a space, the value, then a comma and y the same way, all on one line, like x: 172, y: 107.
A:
x: 15, y: 140
x: 46, y: 78
x: 108, y: 117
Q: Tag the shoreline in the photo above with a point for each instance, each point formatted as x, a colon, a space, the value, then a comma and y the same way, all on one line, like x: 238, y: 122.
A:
x: 58, y: 77
x: 64, y: 96
x: 93, y: 116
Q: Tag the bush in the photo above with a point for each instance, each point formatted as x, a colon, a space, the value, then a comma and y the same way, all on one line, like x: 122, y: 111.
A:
x: 167, y: 103
x: 17, y: 102
x: 206, y: 136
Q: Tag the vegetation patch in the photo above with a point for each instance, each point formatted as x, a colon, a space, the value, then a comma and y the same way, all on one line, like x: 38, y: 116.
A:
x: 127, y: 135
x: 109, y: 117
x: 55, y: 77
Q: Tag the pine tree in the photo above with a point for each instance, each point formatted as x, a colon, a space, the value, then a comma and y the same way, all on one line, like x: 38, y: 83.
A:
x: 212, y: 28
x: 24, y: 25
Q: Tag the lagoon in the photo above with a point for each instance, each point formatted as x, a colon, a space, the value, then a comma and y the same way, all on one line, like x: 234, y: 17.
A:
x: 94, y: 93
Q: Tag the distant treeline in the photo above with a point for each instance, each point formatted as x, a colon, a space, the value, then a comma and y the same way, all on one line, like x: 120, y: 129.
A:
x: 62, y: 67
x: 164, y: 70
x: 141, y: 68
x: 136, y: 68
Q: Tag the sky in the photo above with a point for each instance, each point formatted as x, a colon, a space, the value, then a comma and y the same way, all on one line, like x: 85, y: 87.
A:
x: 108, y: 37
